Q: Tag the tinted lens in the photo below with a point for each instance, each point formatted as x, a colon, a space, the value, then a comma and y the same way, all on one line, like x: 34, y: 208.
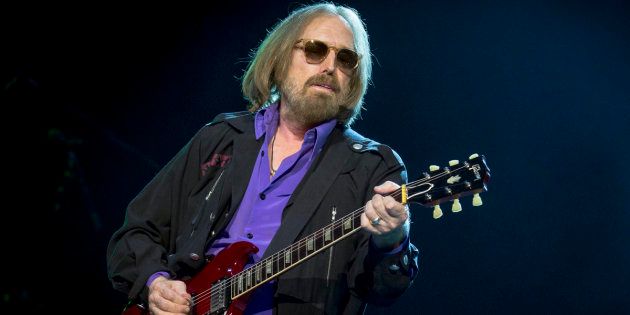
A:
x: 347, y: 59
x: 315, y: 51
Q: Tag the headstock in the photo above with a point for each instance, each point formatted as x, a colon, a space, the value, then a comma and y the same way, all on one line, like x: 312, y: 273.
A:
x: 450, y: 183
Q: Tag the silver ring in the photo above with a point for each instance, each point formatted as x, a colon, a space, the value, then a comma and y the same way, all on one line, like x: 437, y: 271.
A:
x: 376, y: 221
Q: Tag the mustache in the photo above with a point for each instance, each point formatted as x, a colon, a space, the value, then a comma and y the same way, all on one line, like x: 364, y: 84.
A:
x: 323, y: 79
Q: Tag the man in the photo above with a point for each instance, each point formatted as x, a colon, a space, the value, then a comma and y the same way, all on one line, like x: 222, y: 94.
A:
x: 274, y: 175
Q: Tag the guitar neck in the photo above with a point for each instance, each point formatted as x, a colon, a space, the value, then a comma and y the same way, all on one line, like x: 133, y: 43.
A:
x: 437, y: 186
x: 293, y: 255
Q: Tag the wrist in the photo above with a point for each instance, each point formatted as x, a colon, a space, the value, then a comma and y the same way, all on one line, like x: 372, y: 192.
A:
x: 392, y: 240
x: 156, y: 281
x: 157, y: 277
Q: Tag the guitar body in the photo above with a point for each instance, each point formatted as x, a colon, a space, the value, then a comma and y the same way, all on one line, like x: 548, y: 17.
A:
x: 228, y: 262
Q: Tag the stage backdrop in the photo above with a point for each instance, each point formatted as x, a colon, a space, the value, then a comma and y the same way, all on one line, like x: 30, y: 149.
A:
x: 98, y: 100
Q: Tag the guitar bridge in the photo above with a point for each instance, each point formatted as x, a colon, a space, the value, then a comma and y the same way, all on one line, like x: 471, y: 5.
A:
x: 218, y: 297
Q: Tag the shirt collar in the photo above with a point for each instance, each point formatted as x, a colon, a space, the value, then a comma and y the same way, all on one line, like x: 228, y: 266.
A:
x: 266, y: 122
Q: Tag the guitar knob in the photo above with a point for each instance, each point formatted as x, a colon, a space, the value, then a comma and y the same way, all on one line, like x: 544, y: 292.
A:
x: 434, y: 168
x: 453, y: 162
x: 473, y: 156
x: 457, y: 207
x: 477, y: 200
x: 437, y: 212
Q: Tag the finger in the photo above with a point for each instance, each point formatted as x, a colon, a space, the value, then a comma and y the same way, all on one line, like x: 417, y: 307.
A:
x: 377, y: 211
x: 155, y: 302
x: 386, y: 187
x: 367, y: 225
x: 176, y: 298
x: 367, y: 216
x: 153, y: 310
x: 378, y: 204
x: 181, y: 296
x: 163, y: 305
x: 165, y: 298
x: 394, y: 208
x: 371, y: 214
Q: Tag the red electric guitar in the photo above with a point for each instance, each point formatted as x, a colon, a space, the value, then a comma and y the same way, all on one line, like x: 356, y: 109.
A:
x: 223, y: 287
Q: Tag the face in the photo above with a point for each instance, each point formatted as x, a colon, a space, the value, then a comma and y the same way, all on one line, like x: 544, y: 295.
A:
x: 313, y: 93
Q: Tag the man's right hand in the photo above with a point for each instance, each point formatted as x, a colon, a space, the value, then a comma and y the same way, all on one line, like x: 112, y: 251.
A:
x: 168, y: 297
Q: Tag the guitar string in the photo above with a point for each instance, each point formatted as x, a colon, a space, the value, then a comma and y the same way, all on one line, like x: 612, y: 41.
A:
x: 275, y: 258
x: 299, y: 245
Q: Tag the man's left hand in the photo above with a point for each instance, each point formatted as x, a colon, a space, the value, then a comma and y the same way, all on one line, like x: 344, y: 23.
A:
x: 385, y: 218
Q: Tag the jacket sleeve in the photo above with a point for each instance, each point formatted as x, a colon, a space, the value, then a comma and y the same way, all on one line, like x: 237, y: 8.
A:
x: 376, y: 277
x: 140, y: 247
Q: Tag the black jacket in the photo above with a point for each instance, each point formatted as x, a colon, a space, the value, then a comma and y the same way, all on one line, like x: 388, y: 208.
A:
x: 170, y: 224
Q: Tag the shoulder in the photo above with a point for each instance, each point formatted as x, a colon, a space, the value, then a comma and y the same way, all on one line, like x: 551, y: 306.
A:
x: 234, y: 121
x: 362, y: 145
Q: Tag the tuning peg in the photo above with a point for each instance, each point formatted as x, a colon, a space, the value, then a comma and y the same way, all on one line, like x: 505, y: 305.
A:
x: 437, y: 212
x: 473, y: 156
x: 457, y: 207
x: 434, y: 168
x: 453, y: 162
x: 477, y: 200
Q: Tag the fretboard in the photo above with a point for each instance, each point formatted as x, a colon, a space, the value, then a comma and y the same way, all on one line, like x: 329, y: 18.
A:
x: 437, y: 186
x: 283, y: 260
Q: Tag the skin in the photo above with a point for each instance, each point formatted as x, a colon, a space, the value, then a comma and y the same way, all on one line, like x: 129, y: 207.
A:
x: 170, y: 296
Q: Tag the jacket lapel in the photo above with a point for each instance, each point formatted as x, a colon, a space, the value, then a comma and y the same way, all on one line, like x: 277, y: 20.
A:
x: 311, y: 190
x: 245, y: 152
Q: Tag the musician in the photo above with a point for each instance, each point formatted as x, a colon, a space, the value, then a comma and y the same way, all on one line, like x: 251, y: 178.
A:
x: 274, y: 174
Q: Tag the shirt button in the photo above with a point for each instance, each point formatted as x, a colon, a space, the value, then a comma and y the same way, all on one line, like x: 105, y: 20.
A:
x: 194, y: 256
x: 250, y: 235
x: 357, y: 146
x: 262, y: 196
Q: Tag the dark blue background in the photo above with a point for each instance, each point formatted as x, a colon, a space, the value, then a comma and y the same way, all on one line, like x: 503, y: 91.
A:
x: 95, y: 102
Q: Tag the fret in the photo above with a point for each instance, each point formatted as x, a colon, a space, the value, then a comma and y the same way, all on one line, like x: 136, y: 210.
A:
x: 277, y: 264
x: 356, y: 220
x: 337, y: 231
x: 319, y: 242
x: 232, y: 288
x: 280, y: 261
x: 295, y: 255
x: 347, y: 225
x: 302, y: 250
x: 240, y: 284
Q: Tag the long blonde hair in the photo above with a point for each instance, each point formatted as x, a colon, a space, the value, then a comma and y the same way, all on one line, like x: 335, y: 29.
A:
x: 269, y: 64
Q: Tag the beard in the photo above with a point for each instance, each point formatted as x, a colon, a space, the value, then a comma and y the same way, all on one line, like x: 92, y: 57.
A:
x: 310, y: 108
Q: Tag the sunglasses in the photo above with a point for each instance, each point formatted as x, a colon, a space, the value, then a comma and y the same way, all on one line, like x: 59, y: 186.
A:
x: 316, y: 51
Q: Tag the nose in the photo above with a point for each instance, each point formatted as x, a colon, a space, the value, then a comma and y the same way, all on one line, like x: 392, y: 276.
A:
x: 329, y: 64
